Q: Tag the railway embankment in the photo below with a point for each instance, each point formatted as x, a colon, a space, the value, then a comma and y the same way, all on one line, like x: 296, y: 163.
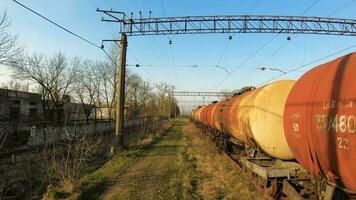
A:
x: 175, y: 164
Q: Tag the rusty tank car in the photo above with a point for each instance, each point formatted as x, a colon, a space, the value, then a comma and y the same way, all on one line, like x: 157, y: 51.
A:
x: 320, y: 121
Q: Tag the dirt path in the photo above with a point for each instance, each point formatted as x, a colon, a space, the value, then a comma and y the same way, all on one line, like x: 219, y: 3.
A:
x: 181, y: 165
x: 154, y: 175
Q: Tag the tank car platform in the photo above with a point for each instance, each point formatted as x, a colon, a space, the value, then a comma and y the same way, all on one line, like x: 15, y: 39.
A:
x: 273, y: 168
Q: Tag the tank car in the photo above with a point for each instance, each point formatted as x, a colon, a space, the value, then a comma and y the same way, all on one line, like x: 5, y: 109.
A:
x: 320, y: 121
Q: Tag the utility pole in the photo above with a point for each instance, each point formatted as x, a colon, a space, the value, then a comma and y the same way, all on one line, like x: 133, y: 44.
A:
x: 120, y: 96
x: 175, y: 111
x: 169, y: 105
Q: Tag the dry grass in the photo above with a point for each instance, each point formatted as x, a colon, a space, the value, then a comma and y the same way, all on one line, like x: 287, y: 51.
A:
x: 151, y: 137
x: 219, y: 177
x: 94, y: 184
x: 179, y: 164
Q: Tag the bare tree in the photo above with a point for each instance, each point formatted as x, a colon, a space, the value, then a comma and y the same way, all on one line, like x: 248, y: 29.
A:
x: 108, y: 80
x: 164, y: 100
x: 145, y: 92
x: 133, y: 85
x: 66, y: 161
x: 10, y: 51
x: 85, y: 88
x: 55, y: 76
x: 107, y: 88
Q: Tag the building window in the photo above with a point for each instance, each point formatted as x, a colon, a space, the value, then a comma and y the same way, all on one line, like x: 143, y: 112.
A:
x: 14, y: 112
x: 33, y: 103
x: 16, y: 102
x: 33, y: 113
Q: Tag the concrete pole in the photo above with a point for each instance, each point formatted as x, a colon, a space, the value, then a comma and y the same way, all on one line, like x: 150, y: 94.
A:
x: 169, y: 106
x: 120, y: 96
x: 175, y: 111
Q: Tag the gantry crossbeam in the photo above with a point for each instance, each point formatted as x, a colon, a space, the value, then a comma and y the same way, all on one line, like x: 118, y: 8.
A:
x: 233, y: 24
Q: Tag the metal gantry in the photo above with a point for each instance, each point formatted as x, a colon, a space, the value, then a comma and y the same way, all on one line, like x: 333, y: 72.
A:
x: 213, y: 24
x: 232, y: 24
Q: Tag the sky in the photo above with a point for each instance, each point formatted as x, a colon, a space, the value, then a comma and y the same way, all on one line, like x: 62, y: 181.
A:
x: 171, y: 61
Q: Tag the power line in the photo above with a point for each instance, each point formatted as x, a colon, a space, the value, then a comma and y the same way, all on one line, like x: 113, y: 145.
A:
x: 310, y: 63
x: 333, y: 13
x: 187, y: 66
x: 173, y: 62
x: 160, y: 54
x: 54, y: 23
x: 342, y: 7
x: 254, y: 7
x: 247, y: 59
x: 108, y: 3
x: 65, y: 29
x: 163, y: 9
x: 68, y: 31
x: 219, y: 60
x: 159, y: 50
x: 131, y: 52
x: 266, y: 44
x: 261, y: 64
x: 133, y: 47
x: 164, y: 57
x: 93, y: 4
x: 308, y: 8
x: 149, y: 74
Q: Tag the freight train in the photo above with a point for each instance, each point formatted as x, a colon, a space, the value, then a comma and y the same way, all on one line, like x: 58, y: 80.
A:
x: 296, y: 137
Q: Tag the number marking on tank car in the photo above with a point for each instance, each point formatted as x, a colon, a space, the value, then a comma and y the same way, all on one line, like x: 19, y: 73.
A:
x: 336, y: 123
x: 343, y: 143
x: 331, y: 104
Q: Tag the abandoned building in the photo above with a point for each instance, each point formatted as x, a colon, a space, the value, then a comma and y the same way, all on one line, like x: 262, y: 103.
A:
x: 27, y: 107
x: 21, y: 106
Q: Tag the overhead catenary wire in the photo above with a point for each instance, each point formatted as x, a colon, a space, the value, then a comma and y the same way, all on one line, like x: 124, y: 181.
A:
x: 245, y: 76
x: 56, y: 24
x: 288, y: 41
x: 266, y: 44
x: 163, y: 8
x: 254, y: 7
x: 251, y: 11
x: 247, y: 59
x: 173, y: 62
x: 131, y: 45
x: 149, y: 74
x: 96, y: 7
x: 330, y: 15
x: 158, y: 55
x: 218, y: 62
x: 67, y: 30
x: 186, y: 65
x: 341, y: 7
x: 70, y: 32
x: 163, y: 54
x: 309, y: 7
x: 310, y: 63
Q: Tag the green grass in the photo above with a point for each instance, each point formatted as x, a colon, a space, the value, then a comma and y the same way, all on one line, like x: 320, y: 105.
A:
x: 94, y: 184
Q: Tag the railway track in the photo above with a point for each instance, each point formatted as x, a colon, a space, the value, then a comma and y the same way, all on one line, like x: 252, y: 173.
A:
x: 272, y: 180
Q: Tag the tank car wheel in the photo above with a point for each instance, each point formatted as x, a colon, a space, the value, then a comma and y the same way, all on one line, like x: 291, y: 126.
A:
x: 273, y: 189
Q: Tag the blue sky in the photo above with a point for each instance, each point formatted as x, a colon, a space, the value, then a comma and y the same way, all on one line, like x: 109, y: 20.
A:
x: 203, y: 50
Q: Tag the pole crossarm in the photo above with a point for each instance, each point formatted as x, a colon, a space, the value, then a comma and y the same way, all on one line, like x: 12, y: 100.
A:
x: 201, y: 94
x: 235, y: 24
